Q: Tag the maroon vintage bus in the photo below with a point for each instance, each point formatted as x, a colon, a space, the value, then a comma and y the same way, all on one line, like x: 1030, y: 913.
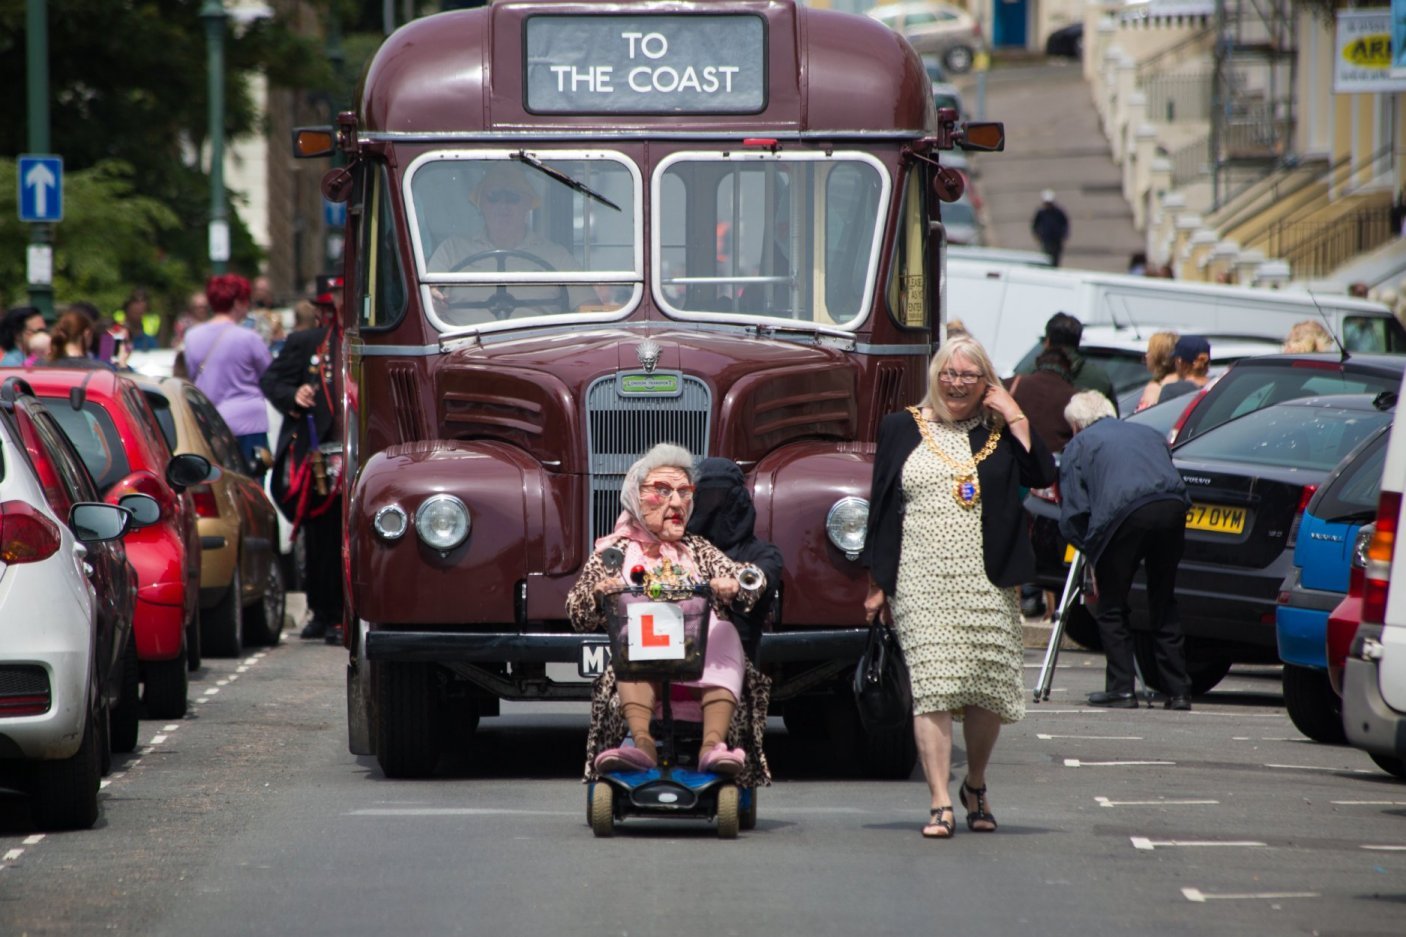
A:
x: 577, y: 229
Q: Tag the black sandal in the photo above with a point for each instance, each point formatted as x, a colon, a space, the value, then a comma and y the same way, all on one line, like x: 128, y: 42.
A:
x: 935, y: 818
x: 980, y: 814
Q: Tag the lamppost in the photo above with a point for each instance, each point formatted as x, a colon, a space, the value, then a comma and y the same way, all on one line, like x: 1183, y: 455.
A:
x: 214, y: 15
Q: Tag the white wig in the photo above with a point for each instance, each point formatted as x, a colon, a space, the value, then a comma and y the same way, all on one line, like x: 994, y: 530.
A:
x: 664, y: 455
x: 1086, y: 408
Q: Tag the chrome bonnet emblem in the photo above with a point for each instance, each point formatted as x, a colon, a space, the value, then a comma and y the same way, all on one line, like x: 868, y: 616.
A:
x: 648, y: 353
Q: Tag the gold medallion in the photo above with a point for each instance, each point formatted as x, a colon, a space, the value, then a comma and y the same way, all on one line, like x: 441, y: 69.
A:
x: 966, y: 489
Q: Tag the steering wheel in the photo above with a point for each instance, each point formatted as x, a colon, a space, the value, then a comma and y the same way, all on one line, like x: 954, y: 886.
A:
x: 502, y: 303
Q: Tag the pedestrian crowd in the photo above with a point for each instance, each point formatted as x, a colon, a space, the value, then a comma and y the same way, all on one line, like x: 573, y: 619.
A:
x: 231, y: 341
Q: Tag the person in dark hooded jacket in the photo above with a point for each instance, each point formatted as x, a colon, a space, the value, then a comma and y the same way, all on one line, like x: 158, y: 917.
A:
x: 723, y: 514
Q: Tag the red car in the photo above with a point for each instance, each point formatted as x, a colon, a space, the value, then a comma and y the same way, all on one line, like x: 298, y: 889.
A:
x: 117, y: 435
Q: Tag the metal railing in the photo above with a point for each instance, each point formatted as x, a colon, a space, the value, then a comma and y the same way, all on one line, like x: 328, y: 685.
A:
x: 1177, y: 97
x: 1190, y: 162
x: 1316, y: 248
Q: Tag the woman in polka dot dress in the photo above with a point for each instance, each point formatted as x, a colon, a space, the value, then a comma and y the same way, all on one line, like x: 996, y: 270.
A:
x: 947, y: 550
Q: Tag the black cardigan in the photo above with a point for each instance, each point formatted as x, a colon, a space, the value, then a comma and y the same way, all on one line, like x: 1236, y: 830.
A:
x: 1006, y: 549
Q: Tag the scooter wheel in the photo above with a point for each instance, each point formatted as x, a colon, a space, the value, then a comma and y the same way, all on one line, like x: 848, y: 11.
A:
x: 602, y: 801
x: 747, y: 818
x: 728, y: 816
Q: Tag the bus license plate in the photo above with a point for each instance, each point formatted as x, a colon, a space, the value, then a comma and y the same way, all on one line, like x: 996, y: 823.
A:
x: 1215, y: 518
x: 595, y: 655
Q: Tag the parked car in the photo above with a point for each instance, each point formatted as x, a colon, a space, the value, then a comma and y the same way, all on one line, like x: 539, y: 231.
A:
x: 949, y: 32
x: 960, y: 221
x: 1374, y: 673
x: 1067, y: 41
x: 1270, y: 379
x: 241, y: 581
x: 1325, y: 545
x: 1120, y: 351
x: 1249, y: 480
x: 61, y: 658
x: 114, y: 430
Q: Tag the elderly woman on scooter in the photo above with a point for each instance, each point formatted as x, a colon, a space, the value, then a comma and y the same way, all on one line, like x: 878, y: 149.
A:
x: 657, y: 498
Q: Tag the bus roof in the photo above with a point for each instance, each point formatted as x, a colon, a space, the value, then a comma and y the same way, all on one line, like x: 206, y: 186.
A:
x: 496, y: 71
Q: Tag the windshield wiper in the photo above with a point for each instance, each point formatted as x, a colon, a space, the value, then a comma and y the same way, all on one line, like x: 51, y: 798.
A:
x: 563, y: 178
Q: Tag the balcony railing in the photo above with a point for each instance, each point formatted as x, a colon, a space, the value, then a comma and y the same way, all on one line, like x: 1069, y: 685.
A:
x: 1316, y: 248
x: 1191, y: 161
x: 1178, y: 97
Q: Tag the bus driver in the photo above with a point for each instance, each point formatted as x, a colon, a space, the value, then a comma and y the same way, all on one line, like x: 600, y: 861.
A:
x: 506, y: 199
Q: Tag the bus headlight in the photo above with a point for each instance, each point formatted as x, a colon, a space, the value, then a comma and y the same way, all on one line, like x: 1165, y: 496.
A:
x: 442, y: 522
x: 390, y: 522
x: 846, y: 525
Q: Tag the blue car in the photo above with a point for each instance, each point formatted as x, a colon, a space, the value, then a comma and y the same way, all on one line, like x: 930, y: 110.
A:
x: 1327, y: 538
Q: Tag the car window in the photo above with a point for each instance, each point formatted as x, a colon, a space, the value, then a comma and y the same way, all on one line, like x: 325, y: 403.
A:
x: 94, y: 435
x: 1160, y: 416
x: 139, y: 412
x: 1290, y: 437
x: 161, y: 408
x: 214, y: 430
x: 1124, y: 368
x: 1353, y: 492
x: 1373, y: 333
x: 77, y: 485
x: 1248, y: 387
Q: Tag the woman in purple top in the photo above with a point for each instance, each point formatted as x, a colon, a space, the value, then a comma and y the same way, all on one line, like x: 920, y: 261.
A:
x: 226, y: 360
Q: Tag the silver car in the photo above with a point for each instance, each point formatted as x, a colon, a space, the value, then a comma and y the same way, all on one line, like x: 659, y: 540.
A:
x: 948, y: 32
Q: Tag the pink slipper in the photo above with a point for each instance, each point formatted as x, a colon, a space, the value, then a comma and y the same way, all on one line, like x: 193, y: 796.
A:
x: 623, y: 759
x: 723, y: 760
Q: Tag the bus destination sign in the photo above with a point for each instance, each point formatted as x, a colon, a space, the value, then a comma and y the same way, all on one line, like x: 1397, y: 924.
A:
x: 646, y: 64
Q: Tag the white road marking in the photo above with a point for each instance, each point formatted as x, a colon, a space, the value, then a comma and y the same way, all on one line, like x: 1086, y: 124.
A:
x: 1270, y: 738
x: 1076, y: 763
x: 1110, y: 738
x: 12, y: 855
x: 221, y: 682
x: 232, y: 677
x: 1386, y: 848
x: 1105, y: 802
x: 1322, y: 768
x: 34, y: 840
x: 1369, y: 803
x: 1142, y: 842
x: 242, y: 668
x: 157, y: 739
x: 211, y: 691
x: 171, y: 728
x: 1197, y: 895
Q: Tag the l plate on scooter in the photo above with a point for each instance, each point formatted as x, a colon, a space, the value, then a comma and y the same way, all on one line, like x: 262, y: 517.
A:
x: 595, y: 655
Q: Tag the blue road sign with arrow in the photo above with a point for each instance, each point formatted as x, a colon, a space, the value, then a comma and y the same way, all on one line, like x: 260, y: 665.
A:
x: 41, y: 188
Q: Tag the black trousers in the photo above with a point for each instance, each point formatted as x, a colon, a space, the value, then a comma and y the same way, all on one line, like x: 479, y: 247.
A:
x: 323, y: 539
x: 1154, y: 534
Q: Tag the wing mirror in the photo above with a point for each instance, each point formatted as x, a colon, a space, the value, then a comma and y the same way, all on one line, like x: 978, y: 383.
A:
x: 92, y: 522
x: 189, y: 469
x: 145, y: 509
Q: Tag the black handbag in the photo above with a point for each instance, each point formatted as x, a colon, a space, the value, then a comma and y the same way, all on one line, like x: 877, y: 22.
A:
x: 882, y: 692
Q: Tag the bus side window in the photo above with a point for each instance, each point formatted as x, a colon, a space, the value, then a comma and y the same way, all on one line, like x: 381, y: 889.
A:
x: 907, y: 286
x: 380, y: 279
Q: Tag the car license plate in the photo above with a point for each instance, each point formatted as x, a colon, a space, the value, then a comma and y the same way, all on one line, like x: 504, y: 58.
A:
x: 1215, y: 518
x: 595, y: 654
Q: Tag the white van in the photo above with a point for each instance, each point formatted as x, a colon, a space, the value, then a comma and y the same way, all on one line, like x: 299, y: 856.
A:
x: 1374, y: 676
x: 1005, y: 306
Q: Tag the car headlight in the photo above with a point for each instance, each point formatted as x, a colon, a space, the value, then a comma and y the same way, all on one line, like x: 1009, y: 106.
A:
x: 390, y: 522
x: 846, y: 525
x: 442, y: 522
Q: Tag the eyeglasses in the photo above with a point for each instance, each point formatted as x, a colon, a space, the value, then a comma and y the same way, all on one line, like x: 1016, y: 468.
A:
x: 661, y: 492
x: 503, y: 197
x: 959, y: 377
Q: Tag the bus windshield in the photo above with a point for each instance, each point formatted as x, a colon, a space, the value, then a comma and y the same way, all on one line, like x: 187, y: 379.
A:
x: 785, y: 236
x: 498, y: 239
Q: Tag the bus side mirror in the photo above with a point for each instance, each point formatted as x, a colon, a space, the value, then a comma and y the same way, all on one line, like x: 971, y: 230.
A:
x: 337, y: 184
x: 984, y: 137
x: 948, y: 184
x: 311, y: 142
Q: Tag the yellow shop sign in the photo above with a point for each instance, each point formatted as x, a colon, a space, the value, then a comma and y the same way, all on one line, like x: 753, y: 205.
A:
x: 1369, y: 51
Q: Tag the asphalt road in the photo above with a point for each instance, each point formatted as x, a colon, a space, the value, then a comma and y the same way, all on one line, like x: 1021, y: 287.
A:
x: 250, y: 817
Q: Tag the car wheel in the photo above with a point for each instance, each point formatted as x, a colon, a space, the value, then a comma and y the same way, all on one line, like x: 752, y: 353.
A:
x: 124, y: 715
x: 222, y: 625
x: 1396, y: 767
x: 64, y: 793
x: 167, y: 683
x: 1314, y: 708
x: 104, y: 724
x: 407, y: 740
x: 958, y: 59
x: 193, y: 656
x: 263, y: 621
